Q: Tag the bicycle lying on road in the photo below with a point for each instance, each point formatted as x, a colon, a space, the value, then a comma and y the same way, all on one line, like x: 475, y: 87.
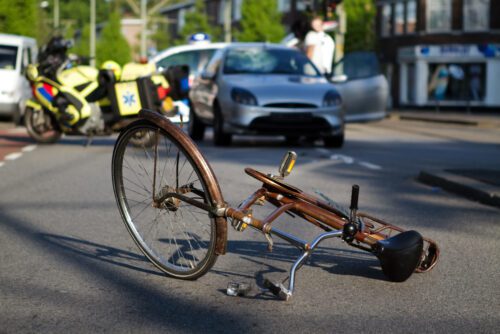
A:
x: 172, y: 206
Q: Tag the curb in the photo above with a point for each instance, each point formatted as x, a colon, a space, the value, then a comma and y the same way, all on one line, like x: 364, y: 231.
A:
x: 438, y: 120
x: 470, y: 188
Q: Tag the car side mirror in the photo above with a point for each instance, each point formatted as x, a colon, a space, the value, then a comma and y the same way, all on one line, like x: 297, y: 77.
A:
x: 207, y: 75
x: 339, y: 78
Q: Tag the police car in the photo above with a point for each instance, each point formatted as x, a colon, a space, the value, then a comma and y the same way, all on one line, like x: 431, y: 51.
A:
x: 196, y: 55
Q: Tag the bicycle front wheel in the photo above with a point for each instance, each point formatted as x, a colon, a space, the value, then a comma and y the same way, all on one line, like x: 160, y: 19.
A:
x: 177, y: 237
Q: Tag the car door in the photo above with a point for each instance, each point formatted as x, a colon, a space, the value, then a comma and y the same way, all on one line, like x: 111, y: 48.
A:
x: 364, y: 90
x: 204, y: 89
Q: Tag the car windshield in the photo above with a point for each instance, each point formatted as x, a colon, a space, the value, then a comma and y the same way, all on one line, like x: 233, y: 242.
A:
x: 195, y: 59
x: 8, y: 56
x: 260, y: 60
x: 358, y: 65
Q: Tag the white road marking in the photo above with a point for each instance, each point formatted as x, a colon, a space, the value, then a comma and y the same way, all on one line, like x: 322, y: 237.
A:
x: 2, y: 163
x: 324, y: 151
x: 28, y: 148
x: 347, y: 159
x: 344, y: 158
x: 370, y: 165
x: 13, y: 156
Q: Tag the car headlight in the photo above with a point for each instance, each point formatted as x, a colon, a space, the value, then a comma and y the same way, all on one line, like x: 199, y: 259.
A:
x: 243, y: 96
x: 332, y: 98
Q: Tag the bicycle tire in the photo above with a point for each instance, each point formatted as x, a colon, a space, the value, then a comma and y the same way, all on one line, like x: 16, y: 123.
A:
x: 178, y: 238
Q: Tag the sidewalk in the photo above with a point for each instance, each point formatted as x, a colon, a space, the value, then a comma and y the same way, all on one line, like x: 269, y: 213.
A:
x: 476, y: 184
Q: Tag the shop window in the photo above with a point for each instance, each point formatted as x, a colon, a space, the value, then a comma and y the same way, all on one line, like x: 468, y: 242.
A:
x: 284, y: 6
x: 399, y: 18
x: 439, y: 15
x: 411, y: 17
x: 386, y: 23
x: 476, y: 15
x: 457, y: 82
x: 302, y: 5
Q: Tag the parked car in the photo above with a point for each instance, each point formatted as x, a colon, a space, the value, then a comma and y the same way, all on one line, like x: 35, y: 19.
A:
x: 196, y: 56
x: 16, y: 52
x: 261, y: 88
x: 364, y: 89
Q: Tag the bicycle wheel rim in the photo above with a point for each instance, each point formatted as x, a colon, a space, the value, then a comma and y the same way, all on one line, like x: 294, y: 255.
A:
x: 178, y: 238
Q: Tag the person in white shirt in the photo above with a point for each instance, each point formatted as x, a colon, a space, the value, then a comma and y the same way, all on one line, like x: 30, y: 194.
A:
x: 319, y: 46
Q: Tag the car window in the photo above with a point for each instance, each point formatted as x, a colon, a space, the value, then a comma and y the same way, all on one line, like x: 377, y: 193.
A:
x: 8, y: 56
x: 358, y: 65
x: 260, y: 60
x: 195, y: 59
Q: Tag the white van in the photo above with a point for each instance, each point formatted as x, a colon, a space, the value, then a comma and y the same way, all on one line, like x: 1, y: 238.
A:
x: 16, y: 52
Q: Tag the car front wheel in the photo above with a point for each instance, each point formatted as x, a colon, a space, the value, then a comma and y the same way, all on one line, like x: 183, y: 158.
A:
x: 334, y: 141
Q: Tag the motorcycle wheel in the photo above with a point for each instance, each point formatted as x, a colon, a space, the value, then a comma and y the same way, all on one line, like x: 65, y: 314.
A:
x: 41, y: 126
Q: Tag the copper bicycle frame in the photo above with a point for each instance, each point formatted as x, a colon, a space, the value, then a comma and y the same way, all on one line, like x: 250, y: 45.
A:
x: 288, y: 199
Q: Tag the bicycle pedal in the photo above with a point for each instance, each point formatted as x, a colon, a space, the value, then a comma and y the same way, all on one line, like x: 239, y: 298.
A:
x: 236, y: 289
x: 277, y: 289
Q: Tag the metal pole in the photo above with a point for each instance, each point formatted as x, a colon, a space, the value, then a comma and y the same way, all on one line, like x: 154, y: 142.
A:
x: 227, y: 20
x: 92, y: 33
x: 144, y: 19
x: 56, y: 14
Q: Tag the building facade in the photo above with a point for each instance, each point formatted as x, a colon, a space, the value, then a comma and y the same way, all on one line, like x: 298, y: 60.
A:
x: 291, y: 9
x: 444, y: 52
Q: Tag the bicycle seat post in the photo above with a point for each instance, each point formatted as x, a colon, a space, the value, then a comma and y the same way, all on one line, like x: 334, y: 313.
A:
x: 354, y: 203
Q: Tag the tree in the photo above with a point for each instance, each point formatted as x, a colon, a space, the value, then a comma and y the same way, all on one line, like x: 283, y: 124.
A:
x: 82, y: 45
x: 19, y: 17
x: 195, y: 21
x: 112, y: 45
x: 260, y: 22
x: 360, y: 35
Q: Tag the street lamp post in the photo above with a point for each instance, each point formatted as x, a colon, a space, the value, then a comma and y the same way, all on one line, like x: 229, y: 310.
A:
x: 92, y: 33
x: 227, y: 20
x: 144, y: 27
x: 56, y: 14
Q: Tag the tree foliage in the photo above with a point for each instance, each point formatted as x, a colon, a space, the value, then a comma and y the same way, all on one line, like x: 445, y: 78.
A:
x: 260, y: 22
x: 360, y: 35
x: 19, y: 17
x: 195, y: 21
x: 111, y: 44
x: 82, y: 45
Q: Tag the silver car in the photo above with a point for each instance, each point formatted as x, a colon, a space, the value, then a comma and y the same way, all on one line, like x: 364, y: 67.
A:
x: 262, y: 88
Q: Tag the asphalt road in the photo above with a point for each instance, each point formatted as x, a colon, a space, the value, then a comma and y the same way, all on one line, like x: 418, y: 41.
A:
x: 67, y: 263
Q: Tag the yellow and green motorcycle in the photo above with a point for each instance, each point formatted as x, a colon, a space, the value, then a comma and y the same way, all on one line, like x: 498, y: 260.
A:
x: 82, y: 100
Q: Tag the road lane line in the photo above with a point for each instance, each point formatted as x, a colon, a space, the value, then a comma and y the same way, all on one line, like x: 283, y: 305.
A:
x: 370, y: 165
x: 28, y: 148
x: 344, y: 158
x: 2, y: 163
x: 13, y: 156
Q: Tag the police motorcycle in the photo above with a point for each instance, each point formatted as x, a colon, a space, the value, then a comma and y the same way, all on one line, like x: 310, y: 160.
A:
x: 74, y: 99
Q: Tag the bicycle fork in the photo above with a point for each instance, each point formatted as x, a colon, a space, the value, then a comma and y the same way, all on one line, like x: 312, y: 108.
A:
x: 279, y: 289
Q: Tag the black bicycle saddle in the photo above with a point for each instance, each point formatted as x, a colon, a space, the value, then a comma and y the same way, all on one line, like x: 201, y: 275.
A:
x: 400, y: 255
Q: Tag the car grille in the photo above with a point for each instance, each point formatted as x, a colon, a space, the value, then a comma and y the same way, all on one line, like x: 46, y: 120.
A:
x: 284, y: 123
x: 291, y: 105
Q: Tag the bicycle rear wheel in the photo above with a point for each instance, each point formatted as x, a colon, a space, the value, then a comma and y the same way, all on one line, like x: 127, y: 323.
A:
x: 175, y: 236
